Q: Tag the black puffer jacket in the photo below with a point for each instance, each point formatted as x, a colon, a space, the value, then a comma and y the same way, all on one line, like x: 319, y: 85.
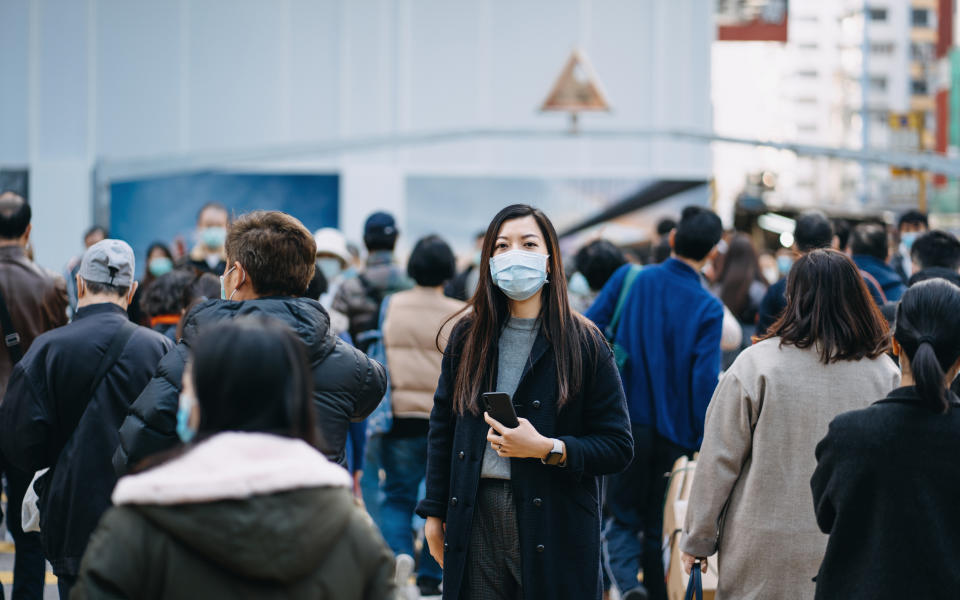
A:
x: 347, y: 384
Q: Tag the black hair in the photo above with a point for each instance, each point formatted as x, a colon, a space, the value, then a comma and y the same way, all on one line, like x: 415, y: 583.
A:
x: 928, y: 330
x: 661, y: 252
x: 431, y: 262
x: 597, y: 261
x: 869, y: 239
x: 841, y: 228
x: 251, y: 374
x: 318, y: 285
x: 213, y: 205
x: 936, y: 249
x: 96, y: 287
x: 697, y: 233
x: 912, y: 217
x: 97, y: 229
x: 159, y: 246
x: 14, y: 215
x: 168, y: 294
x: 813, y: 231
x: 665, y: 226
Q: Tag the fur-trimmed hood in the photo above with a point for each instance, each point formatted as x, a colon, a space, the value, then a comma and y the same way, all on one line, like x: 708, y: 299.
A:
x: 232, y: 466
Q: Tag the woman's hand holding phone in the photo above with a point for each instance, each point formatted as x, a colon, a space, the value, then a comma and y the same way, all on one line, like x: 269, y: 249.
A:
x: 522, y: 441
x: 434, y: 532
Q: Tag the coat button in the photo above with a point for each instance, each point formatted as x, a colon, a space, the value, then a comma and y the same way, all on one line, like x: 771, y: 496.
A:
x: 453, y: 501
x: 540, y: 548
x: 461, y: 455
x: 446, y: 546
x: 535, y: 404
x: 537, y: 502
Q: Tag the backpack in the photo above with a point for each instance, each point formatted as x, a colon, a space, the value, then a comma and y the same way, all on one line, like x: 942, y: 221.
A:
x: 381, y: 419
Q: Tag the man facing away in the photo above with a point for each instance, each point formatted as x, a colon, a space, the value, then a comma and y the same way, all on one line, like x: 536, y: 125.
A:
x: 270, y: 258
x: 671, y: 328
x: 67, y: 397
x: 36, y: 301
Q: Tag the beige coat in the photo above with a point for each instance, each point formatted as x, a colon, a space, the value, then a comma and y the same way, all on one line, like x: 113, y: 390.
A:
x: 410, y: 336
x: 767, y: 414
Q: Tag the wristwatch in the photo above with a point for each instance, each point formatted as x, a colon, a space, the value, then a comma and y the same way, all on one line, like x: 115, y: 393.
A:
x: 555, y: 456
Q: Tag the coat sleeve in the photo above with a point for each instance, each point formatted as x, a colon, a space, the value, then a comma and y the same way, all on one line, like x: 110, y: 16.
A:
x: 379, y: 567
x: 706, y: 363
x: 605, y: 445
x: 373, y: 384
x: 114, y: 565
x: 601, y: 311
x: 151, y: 423
x: 440, y: 439
x: 829, y: 453
x: 727, y: 443
x: 56, y: 304
x: 26, y: 421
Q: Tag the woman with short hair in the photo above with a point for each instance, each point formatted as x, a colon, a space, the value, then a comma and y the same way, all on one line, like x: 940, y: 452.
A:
x: 248, y: 508
x: 514, y: 512
x: 824, y: 356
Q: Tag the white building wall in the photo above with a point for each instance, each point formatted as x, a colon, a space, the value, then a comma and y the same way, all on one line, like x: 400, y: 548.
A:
x: 114, y: 80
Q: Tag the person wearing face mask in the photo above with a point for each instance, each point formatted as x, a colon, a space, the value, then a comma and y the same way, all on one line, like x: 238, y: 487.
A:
x: 911, y: 225
x: 247, y: 507
x: 515, y: 512
x: 67, y: 397
x: 333, y: 258
x: 208, y: 255
x: 271, y: 259
x: 159, y: 262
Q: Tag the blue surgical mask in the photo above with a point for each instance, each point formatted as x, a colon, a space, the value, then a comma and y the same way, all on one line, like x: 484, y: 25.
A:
x: 160, y: 266
x: 184, y: 409
x: 330, y: 267
x: 784, y: 263
x: 214, y: 237
x: 518, y: 273
x: 579, y: 285
x: 907, y: 239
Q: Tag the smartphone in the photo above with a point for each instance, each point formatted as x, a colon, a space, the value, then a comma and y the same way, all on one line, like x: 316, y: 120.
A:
x: 500, y: 407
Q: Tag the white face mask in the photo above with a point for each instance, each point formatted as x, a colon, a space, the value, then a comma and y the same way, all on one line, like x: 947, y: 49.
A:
x: 330, y: 267
x: 518, y: 273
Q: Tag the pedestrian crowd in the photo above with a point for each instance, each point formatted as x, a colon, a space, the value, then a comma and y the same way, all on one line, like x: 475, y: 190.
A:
x: 268, y: 415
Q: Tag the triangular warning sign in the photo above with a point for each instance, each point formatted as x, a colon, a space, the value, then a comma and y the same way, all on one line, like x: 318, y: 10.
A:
x: 577, y: 88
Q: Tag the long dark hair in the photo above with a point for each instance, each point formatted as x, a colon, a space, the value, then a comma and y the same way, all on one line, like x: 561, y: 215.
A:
x: 252, y: 374
x: 741, y: 267
x: 149, y: 277
x: 928, y: 330
x: 829, y: 306
x: 488, y: 311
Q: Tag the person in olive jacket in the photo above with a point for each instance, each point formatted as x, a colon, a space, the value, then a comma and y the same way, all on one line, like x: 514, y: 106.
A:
x: 887, y: 483
x: 250, y: 509
x: 271, y: 261
x: 515, y: 512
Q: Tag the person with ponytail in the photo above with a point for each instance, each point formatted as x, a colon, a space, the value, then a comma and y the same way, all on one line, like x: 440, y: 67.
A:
x: 887, y: 483
x: 515, y: 512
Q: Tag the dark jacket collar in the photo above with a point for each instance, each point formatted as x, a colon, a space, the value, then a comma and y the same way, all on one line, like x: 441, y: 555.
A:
x: 680, y: 268
x: 908, y: 395
x: 99, y: 309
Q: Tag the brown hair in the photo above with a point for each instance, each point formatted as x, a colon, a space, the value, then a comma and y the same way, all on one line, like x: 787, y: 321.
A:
x: 275, y: 249
x: 829, y: 306
x: 488, y: 312
x: 741, y: 268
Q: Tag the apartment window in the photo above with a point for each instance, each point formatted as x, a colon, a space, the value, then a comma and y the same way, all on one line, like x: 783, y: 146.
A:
x: 878, y: 84
x: 806, y: 100
x: 808, y: 46
x: 918, y: 87
x: 807, y: 74
x: 921, y: 52
x: 877, y: 14
x: 920, y: 17
x: 813, y: 19
x: 807, y: 128
x: 881, y: 47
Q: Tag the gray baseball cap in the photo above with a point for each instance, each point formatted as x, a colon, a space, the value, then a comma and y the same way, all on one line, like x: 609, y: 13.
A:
x: 108, y: 261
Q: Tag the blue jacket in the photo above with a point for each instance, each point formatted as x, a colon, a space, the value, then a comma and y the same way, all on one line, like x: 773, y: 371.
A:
x: 889, y: 280
x: 670, y: 327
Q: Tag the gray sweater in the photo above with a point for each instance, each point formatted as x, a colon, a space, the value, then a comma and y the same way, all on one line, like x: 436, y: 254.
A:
x: 516, y: 341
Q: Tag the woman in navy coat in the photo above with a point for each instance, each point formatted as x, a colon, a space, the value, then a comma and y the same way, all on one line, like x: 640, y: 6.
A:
x: 515, y: 513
